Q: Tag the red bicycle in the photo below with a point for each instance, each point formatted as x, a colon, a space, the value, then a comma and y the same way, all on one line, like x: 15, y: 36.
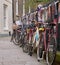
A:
x: 48, y: 43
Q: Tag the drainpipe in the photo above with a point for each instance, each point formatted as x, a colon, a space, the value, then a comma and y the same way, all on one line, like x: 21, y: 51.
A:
x: 23, y: 7
x: 29, y: 9
x: 13, y: 10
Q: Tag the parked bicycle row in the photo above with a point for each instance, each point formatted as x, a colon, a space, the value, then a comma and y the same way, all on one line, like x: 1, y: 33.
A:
x: 38, y: 33
x: 37, y: 36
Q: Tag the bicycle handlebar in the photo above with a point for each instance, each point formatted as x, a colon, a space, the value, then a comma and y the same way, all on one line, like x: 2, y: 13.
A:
x: 47, y: 23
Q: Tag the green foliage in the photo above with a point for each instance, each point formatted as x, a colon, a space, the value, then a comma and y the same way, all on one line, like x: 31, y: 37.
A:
x: 58, y: 56
x: 33, y: 3
x: 41, y: 0
x: 30, y: 3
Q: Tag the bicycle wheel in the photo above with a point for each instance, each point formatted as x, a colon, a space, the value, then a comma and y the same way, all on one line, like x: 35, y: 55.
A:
x: 30, y: 52
x: 25, y: 48
x: 41, y: 46
x: 51, y: 54
x: 15, y: 40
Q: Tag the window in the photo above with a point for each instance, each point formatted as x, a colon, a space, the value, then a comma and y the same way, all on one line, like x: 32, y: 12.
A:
x: 5, y: 6
x: 5, y: 12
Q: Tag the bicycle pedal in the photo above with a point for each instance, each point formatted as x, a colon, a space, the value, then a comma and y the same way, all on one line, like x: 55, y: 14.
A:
x: 38, y: 60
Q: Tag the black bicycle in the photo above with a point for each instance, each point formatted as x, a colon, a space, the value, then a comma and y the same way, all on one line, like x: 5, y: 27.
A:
x: 17, y: 37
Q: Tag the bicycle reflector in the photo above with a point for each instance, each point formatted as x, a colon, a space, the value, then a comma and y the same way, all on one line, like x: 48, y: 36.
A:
x: 41, y: 29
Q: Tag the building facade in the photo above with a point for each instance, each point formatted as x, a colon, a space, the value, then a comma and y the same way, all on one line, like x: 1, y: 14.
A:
x: 20, y: 8
x: 17, y: 8
x: 5, y: 16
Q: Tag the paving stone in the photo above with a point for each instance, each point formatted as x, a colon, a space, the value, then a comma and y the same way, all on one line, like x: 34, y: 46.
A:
x: 11, y: 54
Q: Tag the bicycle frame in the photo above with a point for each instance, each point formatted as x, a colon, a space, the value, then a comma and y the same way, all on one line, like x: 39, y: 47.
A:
x: 48, y: 34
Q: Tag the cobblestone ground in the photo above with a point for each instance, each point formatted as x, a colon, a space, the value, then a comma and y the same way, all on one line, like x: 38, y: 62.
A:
x: 11, y: 54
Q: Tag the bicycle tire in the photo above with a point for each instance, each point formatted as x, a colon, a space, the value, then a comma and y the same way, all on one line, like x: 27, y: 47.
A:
x: 15, y: 41
x: 41, y: 46
x: 25, y: 48
x: 51, y: 54
x: 30, y: 49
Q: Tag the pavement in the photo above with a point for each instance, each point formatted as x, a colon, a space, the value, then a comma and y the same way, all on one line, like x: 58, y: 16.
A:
x: 11, y: 54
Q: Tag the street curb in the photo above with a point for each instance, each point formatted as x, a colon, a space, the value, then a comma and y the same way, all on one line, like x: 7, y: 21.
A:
x: 4, y: 35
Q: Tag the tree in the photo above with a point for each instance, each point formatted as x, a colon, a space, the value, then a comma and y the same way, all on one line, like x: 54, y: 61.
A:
x: 33, y: 3
x: 30, y: 3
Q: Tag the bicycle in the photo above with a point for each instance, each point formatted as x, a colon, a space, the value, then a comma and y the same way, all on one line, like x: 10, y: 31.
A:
x: 28, y: 44
x: 17, y: 37
x: 49, y: 43
x: 26, y: 40
x: 52, y: 45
